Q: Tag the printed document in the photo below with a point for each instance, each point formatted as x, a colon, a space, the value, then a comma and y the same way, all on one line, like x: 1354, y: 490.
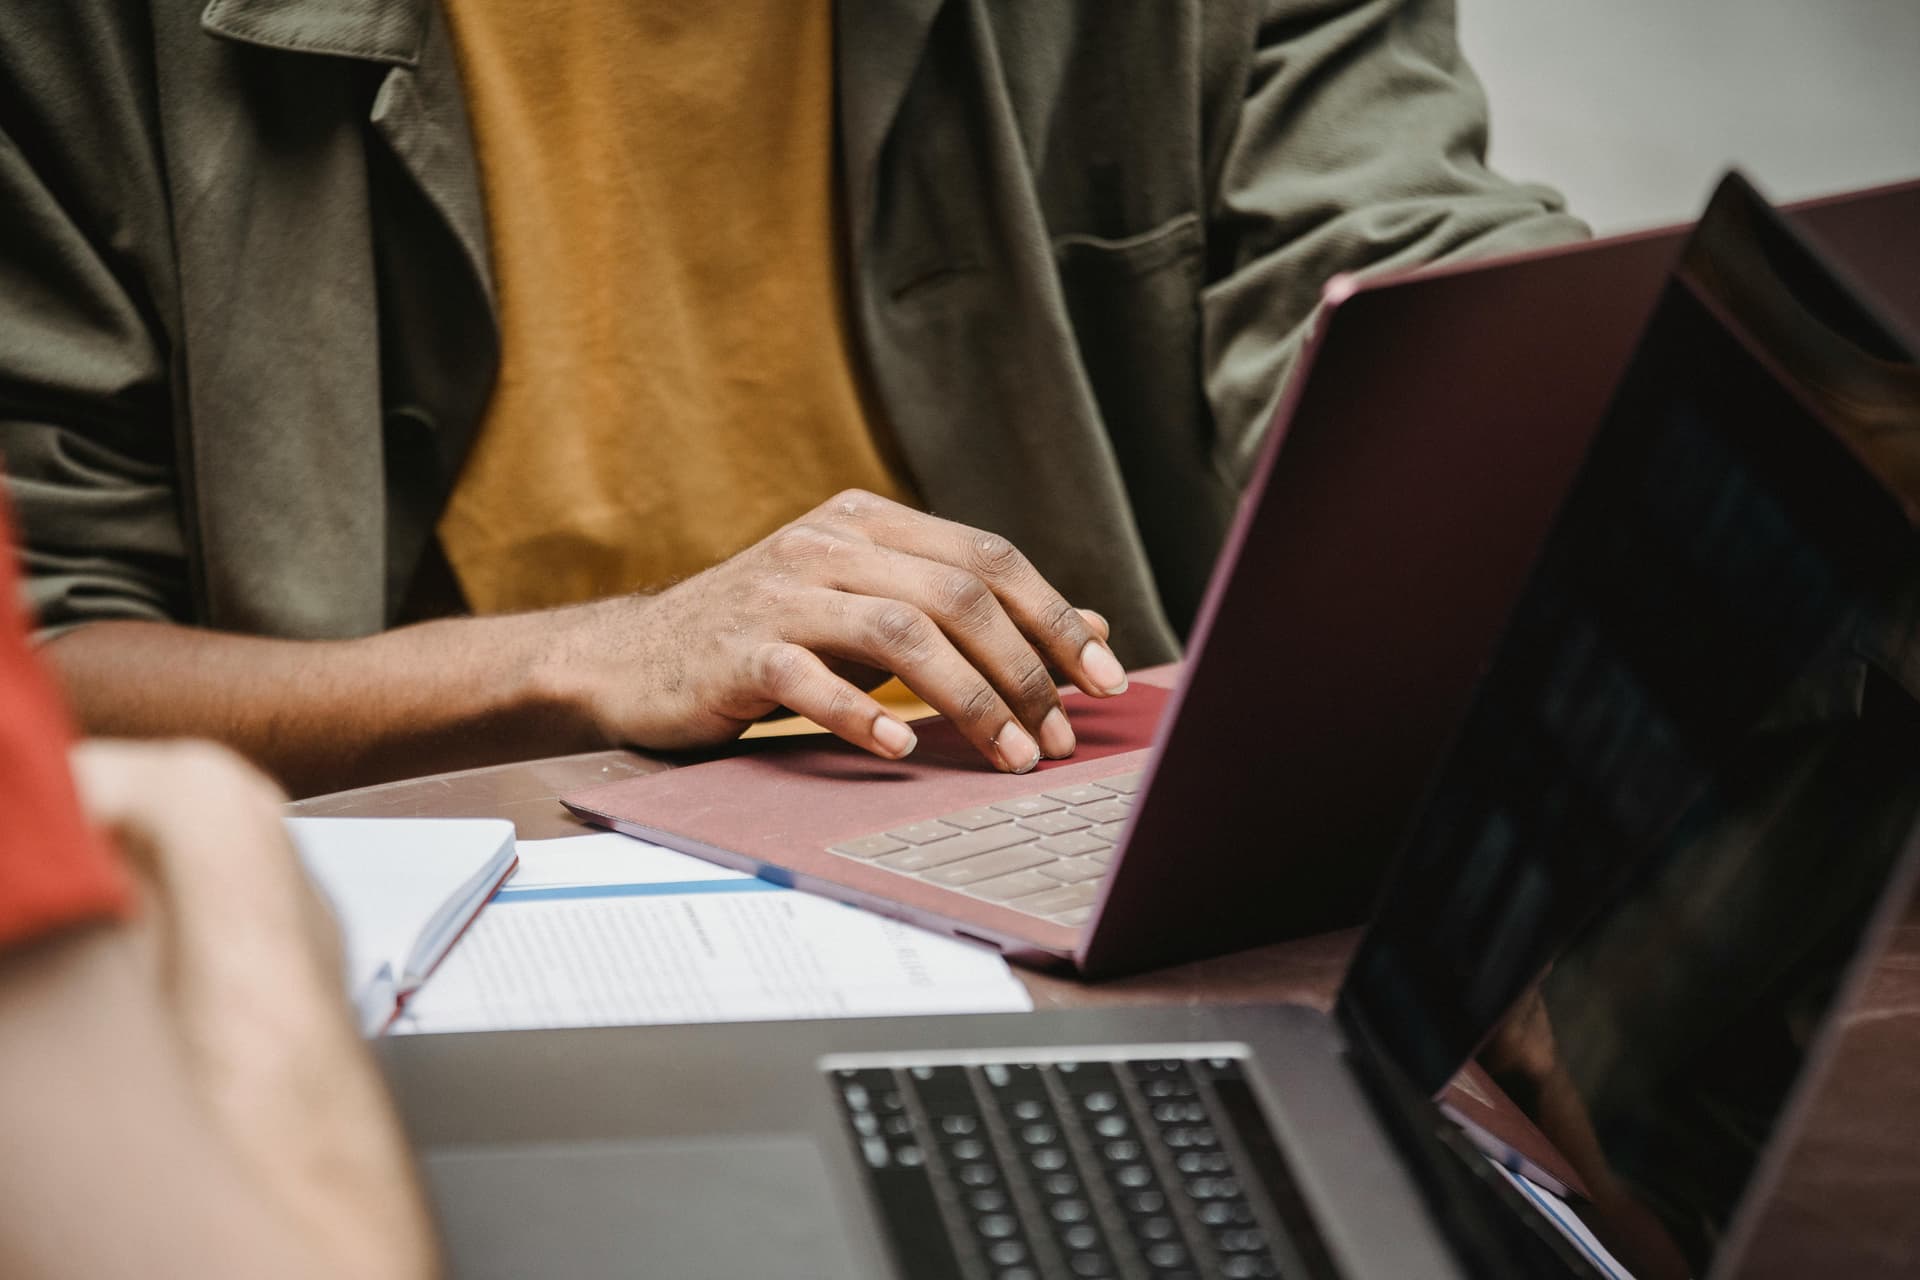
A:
x: 606, y: 930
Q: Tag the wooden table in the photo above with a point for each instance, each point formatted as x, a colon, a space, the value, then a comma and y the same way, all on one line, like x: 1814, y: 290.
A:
x: 1849, y: 1197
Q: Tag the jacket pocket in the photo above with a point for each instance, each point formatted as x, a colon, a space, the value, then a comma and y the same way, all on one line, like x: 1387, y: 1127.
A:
x: 1176, y: 240
x: 1134, y: 306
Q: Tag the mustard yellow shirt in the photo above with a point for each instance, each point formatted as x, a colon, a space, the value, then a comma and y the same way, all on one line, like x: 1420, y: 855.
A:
x: 676, y: 377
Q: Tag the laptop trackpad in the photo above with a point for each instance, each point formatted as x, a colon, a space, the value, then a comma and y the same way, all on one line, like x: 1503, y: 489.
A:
x: 742, y: 1206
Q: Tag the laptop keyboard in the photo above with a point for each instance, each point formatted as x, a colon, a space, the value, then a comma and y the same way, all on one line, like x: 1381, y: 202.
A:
x: 1043, y: 854
x: 1023, y: 1170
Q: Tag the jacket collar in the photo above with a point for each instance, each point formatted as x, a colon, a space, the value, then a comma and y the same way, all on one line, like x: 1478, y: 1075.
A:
x: 880, y: 44
x: 880, y: 41
x: 385, y: 31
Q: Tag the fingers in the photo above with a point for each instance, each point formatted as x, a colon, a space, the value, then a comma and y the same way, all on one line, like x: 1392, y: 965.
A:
x: 158, y: 797
x: 206, y: 831
x: 896, y: 636
x: 202, y: 824
x: 959, y: 615
x: 796, y: 679
x: 1057, y: 629
x: 968, y: 612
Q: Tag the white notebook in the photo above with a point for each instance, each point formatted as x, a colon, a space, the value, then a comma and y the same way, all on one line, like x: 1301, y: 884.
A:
x: 403, y: 890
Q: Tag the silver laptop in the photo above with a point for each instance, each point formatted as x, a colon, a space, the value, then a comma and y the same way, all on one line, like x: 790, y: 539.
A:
x: 1585, y: 902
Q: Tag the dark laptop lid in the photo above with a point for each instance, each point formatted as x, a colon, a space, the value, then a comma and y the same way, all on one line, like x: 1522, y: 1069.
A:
x: 1676, y: 812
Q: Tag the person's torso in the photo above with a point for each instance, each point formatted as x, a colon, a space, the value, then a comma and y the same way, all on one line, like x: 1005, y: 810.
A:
x: 676, y: 378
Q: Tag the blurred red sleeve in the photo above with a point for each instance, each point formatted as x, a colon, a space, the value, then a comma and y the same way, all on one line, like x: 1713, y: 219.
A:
x: 55, y: 870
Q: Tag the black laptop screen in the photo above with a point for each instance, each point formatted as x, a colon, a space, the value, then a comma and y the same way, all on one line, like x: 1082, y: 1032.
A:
x: 1689, y: 770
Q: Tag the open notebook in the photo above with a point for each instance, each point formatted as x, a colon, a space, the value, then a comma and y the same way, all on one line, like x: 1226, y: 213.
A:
x: 403, y: 890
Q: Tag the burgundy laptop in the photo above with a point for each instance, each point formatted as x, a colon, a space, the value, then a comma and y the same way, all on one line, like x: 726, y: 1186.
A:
x: 1433, y: 429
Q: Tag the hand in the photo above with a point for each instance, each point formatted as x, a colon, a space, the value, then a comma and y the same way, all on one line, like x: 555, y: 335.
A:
x: 240, y: 923
x: 803, y: 618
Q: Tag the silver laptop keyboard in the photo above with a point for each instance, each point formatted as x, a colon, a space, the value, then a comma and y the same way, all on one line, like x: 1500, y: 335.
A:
x: 1043, y: 854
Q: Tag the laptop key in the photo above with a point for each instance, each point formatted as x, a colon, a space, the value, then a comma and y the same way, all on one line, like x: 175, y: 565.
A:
x: 1110, y: 831
x: 1112, y: 809
x: 1102, y: 856
x: 1053, y: 824
x: 924, y: 832
x: 955, y: 848
x: 1126, y: 783
x: 1069, y: 870
x: 974, y: 819
x: 1028, y: 806
x: 868, y: 846
x: 1017, y: 885
x: 1072, y: 845
x: 986, y: 866
x: 1062, y: 897
x: 1084, y: 793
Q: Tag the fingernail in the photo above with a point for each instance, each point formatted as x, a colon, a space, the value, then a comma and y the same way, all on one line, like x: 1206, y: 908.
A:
x: 1056, y: 736
x: 1103, y: 668
x: 893, y: 737
x: 1017, y: 752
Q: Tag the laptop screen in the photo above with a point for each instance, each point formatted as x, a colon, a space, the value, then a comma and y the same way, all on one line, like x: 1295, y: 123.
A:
x: 1651, y: 857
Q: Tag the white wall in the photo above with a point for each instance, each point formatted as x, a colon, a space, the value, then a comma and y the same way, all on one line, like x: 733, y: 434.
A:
x: 1633, y: 107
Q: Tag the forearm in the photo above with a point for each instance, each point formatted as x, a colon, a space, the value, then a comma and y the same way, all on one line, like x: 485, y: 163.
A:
x: 110, y: 1166
x: 957, y: 613
x: 244, y: 967
x: 329, y: 714
x: 292, y: 1086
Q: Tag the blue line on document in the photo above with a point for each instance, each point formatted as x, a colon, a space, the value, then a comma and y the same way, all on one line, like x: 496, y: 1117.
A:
x: 665, y: 889
x: 1552, y: 1211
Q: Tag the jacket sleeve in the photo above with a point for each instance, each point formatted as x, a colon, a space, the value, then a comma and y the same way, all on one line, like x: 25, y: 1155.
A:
x: 1359, y: 146
x: 85, y: 408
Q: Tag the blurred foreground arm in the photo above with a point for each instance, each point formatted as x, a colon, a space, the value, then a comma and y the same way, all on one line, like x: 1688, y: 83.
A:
x: 186, y: 1094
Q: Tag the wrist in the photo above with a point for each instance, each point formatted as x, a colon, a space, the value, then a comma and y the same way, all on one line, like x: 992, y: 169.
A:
x: 560, y: 682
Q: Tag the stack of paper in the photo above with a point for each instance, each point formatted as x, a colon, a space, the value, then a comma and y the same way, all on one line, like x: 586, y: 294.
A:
x: 606, y: 930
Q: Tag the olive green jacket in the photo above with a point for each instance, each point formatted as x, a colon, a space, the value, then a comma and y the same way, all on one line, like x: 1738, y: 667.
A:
x: 246, y: 311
